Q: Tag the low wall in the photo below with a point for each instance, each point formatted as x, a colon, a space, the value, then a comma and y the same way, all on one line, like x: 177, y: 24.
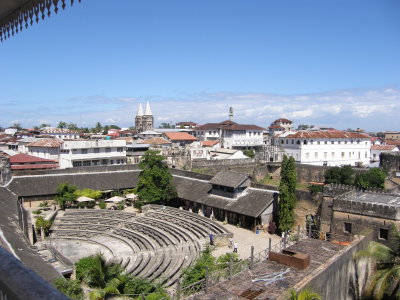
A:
x: 222, y: 162
x: 344, y: 277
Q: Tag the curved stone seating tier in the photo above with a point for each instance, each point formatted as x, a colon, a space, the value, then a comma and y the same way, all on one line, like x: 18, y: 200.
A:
x: 156, y: 245
x: 190, y: 216
x: 197, y: 229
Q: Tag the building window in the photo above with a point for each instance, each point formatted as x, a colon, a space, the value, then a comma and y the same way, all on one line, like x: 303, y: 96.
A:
x: 333, y: 154
x: 326, y: 142
x: 339, y: 142
x: 345, y: 142
x: 311, y: 142
x: 104, y: 162
x: 383, y: 234
x: 307, y: 155
x: 347, y: 227
x: 342, y: 154
x: 87, y: 163
x: 316, y: 154
x: 332, y: 142
x: 287, y: 141
x: 95, y: 162
x: 366, y: 155
x: 120, y: 149
x: 305, y: 142
x: 108, y: 149
x: 96, y: 150
x: 325, y: 155
x: 84, y: 151
x: 318, y: 142
x: 111, y: 162
x: 77, y: 164
x: 209, y: 132
x: 292, y: 142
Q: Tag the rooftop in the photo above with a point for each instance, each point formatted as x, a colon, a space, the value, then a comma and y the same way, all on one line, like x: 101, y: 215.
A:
x: 24, y: 158
x: 229, y: 179
x: 180, y: 136
x: 48, y: 143
x: 325, y: 134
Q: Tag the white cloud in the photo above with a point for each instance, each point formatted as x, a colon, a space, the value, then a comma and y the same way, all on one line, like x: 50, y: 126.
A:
x: 371, y: 109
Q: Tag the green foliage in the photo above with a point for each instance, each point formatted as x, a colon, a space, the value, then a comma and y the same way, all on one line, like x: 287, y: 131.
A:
x: 42, y: 223
x: 287, y: 194
x: 374, y: 178
x: 65, y: 194
x: 223, y: 260
x: 88, y: 193
x: 304, y: 294
x: 44, y: 204
x: 197, y: 271
x: 121, y: 205
x: 154, y: 183
x: 37, y: 212
x: 385, y: 281
x: 102, y: 204
x: 136, y: 285
x: 339, y: 175
x: 315, y: 188
x: 249, y: 153
x: 69, y: 287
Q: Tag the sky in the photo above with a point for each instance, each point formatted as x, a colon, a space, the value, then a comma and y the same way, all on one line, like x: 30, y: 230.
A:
x: 328, y: 63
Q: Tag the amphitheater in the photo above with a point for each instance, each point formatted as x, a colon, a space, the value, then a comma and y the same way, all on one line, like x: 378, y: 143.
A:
x: 156, y: 244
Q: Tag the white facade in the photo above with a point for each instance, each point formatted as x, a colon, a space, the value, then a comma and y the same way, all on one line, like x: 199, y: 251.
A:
x: 376, y: 151
x: 231, y: 135
x: 85, y: 153
x: 330, y: 148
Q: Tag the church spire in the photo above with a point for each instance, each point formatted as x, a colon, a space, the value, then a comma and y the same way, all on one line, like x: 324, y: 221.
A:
x: 140, y: 110
x: 148, y: 110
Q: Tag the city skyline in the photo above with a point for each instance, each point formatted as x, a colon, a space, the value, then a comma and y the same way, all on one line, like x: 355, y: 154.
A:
x: 327, y: 64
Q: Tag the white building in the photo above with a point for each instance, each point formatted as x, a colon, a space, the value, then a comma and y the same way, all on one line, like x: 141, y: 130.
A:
x: 80, y: 153
x: 326, y: 147
x: 231, y: 135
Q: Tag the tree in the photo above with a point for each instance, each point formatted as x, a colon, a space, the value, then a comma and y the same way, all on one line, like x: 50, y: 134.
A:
x: 72, y: 126
x: 98, y: 128
x: 304, y: 294
x: 17, y: 125
x: 41, y: 223
x: 249, y: 153
x: 339, y: 175
x: 385, y: 282
x: 43, y: 125
x: 69, y: 287
x: 62, y: 124
x: 374, y: 178
x: 154, y: 182
x: 94, y: 194
x: 303, y: 127
x: 65, y: 194
x: 287, y: 194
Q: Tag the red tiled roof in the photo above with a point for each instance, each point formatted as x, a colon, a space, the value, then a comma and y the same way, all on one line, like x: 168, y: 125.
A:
x: 375, y: 138
x: 383, y: 147
x: 180, y: 136
x: 228, y: 125
x: 276, y: 127
x: 47, y: 143
x: 156, y: 141
x: 25, y: 158
x: 282, y: 120
x: 35, y: 166
x: 327, y: 134
x: 209, y: 143
x: 187, y: 123
x: 392, y: 142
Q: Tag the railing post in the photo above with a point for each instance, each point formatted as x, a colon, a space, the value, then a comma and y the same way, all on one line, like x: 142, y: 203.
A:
x: 270, y: 244
x: 298, y: 233
x: 230, y: 267
x: 178, y: 290
x: 252, y: 258
x: 206, y: 281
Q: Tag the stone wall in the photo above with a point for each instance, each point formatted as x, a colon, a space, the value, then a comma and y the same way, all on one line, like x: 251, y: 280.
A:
x: 5, y: 170
x: 390, y: 162
x: 344, y: 278
x: 221, y: 162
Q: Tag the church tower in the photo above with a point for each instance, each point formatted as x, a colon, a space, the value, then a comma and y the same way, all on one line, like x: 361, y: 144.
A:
x: 144, y: 121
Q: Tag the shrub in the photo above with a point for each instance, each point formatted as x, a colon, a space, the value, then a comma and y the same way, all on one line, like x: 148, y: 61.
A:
x: 94, y: 194
x: 374, y: 178
x: 315, y: 188
x: 70, y: 288
x: 44, y: 204
x: 42, y: 223
x: 37, y: 212
x: 102, y: 204
x: 249, y: 153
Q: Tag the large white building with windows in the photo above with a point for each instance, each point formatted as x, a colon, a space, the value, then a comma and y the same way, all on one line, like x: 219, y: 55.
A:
x: 326, y: 147
x: 80, y: 153
x: 231, y: 135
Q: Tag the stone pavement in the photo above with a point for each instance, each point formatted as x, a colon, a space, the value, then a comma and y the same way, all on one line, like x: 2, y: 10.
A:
x: 245, y: 239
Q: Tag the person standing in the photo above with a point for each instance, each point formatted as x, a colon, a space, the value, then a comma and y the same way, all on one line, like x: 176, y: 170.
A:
x: 211, y: 239
x: 235, y: 247
x: 230, y: 243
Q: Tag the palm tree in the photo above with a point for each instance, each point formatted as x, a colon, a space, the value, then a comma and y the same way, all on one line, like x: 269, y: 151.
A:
x: 304, y: 294
x: 386, y: 280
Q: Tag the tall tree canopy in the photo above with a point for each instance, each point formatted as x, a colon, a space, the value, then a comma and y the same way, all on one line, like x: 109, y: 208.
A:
x: 154, y: 183
x: 287, y: 194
